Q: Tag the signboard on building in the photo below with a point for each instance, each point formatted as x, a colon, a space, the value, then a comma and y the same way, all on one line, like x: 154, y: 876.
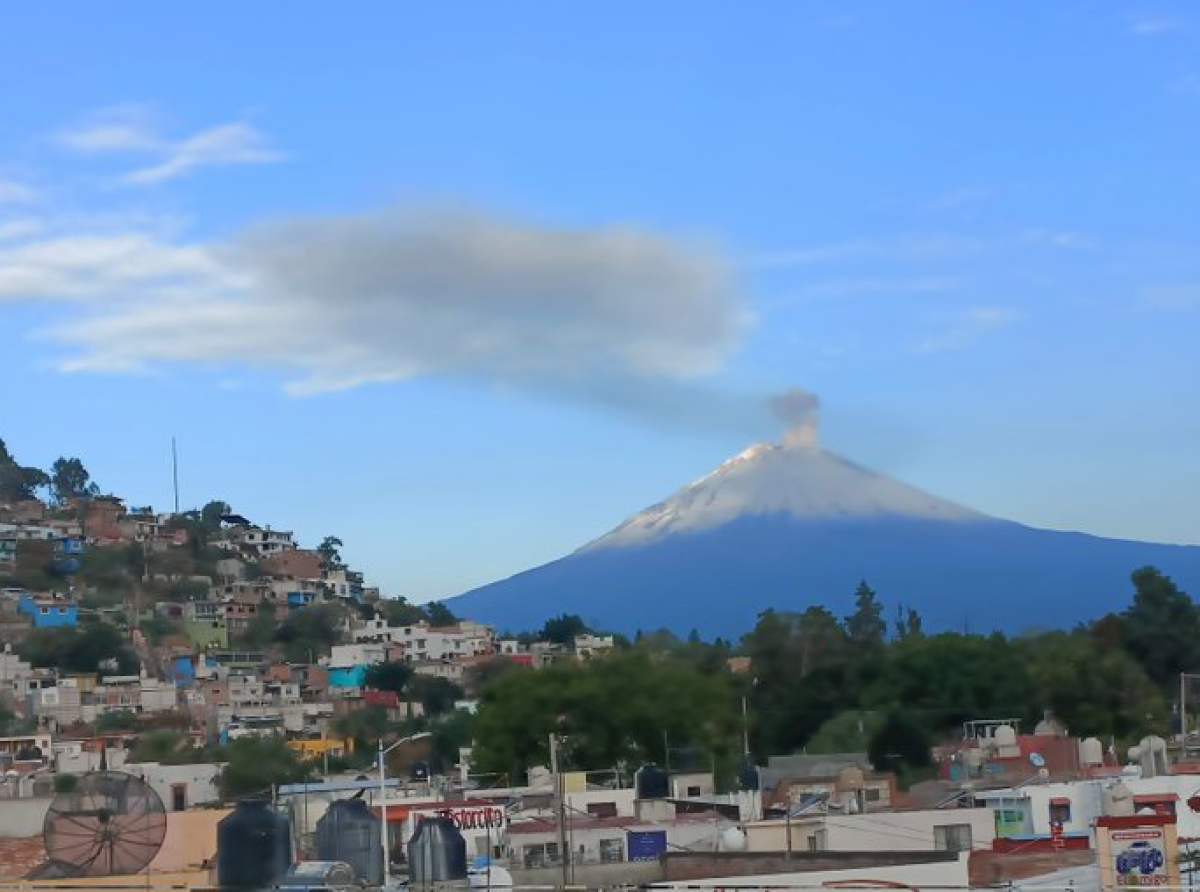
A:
x: 645, y: 845
x: 1138, y: 850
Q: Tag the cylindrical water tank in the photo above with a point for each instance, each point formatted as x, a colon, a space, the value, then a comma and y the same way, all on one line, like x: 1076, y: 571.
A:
x: 254, y: 846
x: 437, y: 853
x: 1091, y: 752
x: 651, y: 782
x: 1006, y: 735
x: 349, y: 832
x: 849, y: 780
x: 748, y: 778
x: 733, y: 839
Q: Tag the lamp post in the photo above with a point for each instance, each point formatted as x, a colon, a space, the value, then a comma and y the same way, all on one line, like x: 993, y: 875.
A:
x: 383, y: 822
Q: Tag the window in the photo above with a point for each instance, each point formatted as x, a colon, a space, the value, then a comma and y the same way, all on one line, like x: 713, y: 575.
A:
x: 816, y: 842
x: 693, y: 791
x: 540, y: 855
x: 952, y: 837
x: 1060, y: 811
x: 612, y: 851
x: 602, y: 809
x: 178, y: 797
x: 873, y: 794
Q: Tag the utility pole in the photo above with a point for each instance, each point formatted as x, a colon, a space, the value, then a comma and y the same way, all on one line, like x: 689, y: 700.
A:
x: 560, y: 810
x: 745, y: 727
x: 1183, y: 716
x: 175, y: 473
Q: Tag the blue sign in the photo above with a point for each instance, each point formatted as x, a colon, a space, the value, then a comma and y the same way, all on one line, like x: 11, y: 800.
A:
x: 645, y: 845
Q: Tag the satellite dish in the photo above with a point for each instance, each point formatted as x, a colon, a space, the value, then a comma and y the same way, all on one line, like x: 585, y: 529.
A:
x: 112, y: 824
x: 1037, y: 760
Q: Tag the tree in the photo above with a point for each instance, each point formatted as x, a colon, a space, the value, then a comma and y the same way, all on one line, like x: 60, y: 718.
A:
x: 901, y: 743
x: 805, y: 673
x: 563, y: 629
x: 1162, y: 627
x: 846, y: 732
x: 436, y: 695
x: 79, y: 649
x: 166, y: 746
x: 865, y: 626
x: 609, y: 711
x: 211, y: 514
x: 253, y: 765
x: 1096, y: 689
x: 439, y: 614
x: 331, y: 557
x: 390, y: 676
x: 311, y: 632
x: 17, y: 482
x: 908, y: 622
x: 69, y: 479
x: 398, y: 612
x: 117, y: 720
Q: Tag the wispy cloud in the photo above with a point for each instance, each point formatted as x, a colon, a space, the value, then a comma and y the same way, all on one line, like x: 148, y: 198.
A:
x: 1148, y: 24
x: 131, y: 131
x: 14, y: 192
x: 1172, y: 297
x: 967, y: 329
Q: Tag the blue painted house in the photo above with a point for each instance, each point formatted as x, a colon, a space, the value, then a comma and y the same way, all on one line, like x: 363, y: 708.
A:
x: 347, y: 676
x: 48, y: 613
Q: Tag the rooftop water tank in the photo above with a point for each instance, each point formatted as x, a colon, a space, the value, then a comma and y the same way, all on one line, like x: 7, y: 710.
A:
x: 1006, y: 735
x: 733, y: 839
x: 651, y: 782
x: 437, y: 853
x: 1091, y: 752
x: 349, y: 832
x: 849, y: 780
x: 254, y: 846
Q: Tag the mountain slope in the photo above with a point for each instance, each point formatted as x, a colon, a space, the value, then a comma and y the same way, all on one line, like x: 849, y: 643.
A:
x: 789, y: 526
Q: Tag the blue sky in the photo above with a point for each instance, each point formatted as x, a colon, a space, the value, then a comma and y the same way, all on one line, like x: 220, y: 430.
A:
x: 466, y: 285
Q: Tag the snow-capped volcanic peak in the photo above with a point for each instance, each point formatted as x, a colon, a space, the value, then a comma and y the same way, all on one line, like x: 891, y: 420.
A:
x: 795, y: 478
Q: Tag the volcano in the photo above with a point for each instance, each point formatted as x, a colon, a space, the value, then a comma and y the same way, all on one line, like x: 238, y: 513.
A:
x: 790, y: 525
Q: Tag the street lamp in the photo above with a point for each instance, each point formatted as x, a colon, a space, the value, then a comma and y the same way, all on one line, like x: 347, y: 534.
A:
x: 383, y: 822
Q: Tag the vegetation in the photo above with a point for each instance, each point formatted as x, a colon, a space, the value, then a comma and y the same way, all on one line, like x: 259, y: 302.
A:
x: 253, y: 765
x: 96, y: 647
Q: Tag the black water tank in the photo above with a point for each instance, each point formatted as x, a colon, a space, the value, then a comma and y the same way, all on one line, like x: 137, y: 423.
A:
x: 748, y: 778
x: 651, y: 782
x: 254, y: 846
x: 437, y: 853
x: 349, y: 832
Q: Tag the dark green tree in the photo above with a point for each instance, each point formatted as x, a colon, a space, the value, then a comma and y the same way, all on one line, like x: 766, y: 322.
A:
x: 1162, y: 627
x: 436, y: 695
x: 439, y: 614
x: 69, y: 479
x: 563, y: 629
x: 391, y: 676
x: 331, y: 557
x: 398, y: 612
x: 211, y: 514
x: 80, y: 649
x: 901, y: 743
x: 18, y: 482
x: 908, y: 622
x: 253, y: 765
x: 311, y: 632
x: 865, y: 627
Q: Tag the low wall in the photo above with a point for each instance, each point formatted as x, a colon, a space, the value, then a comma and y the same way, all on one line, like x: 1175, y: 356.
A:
x: 707, y: 865
x: 20, y: 818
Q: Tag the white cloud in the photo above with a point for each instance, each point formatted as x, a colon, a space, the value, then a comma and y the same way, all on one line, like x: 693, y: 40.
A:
x: 227, y: 144
x: 970, y: 327
x: 131, y: 131
x: 616, y: 315
x: 1151, y: 25
x: 19, y: 227
x: 13, y: 192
